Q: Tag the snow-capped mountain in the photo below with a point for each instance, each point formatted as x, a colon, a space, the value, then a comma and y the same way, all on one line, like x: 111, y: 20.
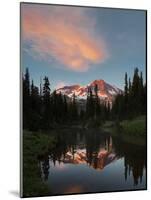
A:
x: 105, y: 90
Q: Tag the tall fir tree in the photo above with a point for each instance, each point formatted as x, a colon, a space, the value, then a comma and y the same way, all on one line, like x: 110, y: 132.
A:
x: 46, y: 104
x: 26, y: 99
x: 129, y: 86
x: 90, y: 109
x: 74, y: 108
x: 141, y: 92
x: 35, y: 118
x: 126, y: 97
x: 97, y: 103
x: 136, y: 102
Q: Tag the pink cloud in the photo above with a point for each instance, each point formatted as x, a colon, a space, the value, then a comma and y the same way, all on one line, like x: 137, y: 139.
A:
x: 63, y: 34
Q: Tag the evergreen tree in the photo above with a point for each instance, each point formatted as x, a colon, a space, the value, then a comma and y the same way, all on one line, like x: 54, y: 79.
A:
x: 35, y: 118
x: 65, y: 109
x: 118, y: 107
x: 90, y: 106
x: 60, y: 107
x: 136, y: 102
x: 46, y: 104
x: 54, y: 106
x: 130, y: 104
x: 129, y: 86
x: 144, y: 102
x: 126, y: 86
x: 126, y: 96
x: 97, y: 103
x: 133, y: 101
x: 26, y: 99
x: 74, y: 108
x: 141, y: 92
x: 27, y: 82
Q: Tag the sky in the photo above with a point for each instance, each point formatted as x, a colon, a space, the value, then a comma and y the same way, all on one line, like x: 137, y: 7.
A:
x: 76, y: 45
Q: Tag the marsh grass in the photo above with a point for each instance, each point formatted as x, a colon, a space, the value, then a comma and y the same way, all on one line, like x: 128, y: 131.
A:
x: 134, y: 127
x: 133, y: 131
x: 33, y: 145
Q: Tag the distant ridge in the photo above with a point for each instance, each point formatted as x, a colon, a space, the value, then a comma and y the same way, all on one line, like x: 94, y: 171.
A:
x: 106, y: 91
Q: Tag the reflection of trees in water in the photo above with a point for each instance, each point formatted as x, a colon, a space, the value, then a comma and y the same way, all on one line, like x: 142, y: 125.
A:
x: 70, y: 142
x: 97, y: 150
x: 92, y: 147
x: 64, y: 143
x: 82, y: 147
x: 134, y: 159
x: 44, y: 159
x: 93, y: 142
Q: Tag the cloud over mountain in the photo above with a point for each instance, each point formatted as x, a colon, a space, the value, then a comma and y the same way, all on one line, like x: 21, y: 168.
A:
x: 63, y: 34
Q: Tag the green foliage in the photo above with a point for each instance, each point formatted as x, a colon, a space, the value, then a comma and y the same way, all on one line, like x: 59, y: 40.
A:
x: 135, y: 127
x: 33, y: 145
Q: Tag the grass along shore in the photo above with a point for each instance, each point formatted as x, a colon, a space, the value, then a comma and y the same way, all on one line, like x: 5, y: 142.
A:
x: 133, y: 131
x: 33, y: 145
x: 134, y: 127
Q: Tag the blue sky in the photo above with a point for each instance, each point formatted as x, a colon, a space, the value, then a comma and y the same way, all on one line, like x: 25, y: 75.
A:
x: 78, y: 45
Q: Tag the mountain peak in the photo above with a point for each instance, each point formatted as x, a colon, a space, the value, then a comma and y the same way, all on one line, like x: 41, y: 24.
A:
x: 106, y: 91
x: 98, y: 81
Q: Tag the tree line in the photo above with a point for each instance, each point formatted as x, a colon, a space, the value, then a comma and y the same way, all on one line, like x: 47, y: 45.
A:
x: 43, y: 108
x: 132, y: 102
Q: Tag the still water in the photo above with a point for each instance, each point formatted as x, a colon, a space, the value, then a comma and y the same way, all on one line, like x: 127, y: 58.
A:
x: 90, y: 161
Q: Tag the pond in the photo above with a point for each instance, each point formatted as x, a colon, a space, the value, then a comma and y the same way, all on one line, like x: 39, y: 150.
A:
x: 88, y: 161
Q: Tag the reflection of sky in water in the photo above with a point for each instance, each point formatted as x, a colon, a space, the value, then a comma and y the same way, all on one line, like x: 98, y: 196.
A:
x: 70, y: 178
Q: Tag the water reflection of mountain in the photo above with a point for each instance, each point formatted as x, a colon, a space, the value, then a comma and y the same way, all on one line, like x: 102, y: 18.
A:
x: 96, y: 150
x: 97, y: 160
x: 80, y: 148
